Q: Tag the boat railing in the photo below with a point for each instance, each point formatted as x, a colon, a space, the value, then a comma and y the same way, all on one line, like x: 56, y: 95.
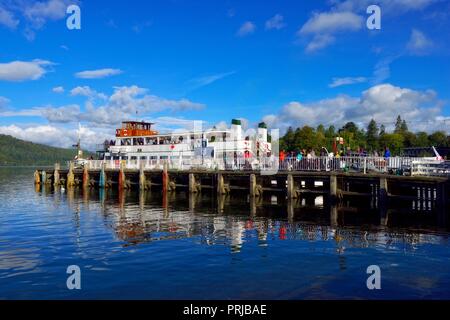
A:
x: 393, y: 165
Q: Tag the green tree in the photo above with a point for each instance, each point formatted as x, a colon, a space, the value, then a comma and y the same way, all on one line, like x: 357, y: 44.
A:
x: 422, y: 140
x: 438, y: 139
x: 372, y: 136
x: 394, y: 141
x: 398, y: 125
x: 305, y: 138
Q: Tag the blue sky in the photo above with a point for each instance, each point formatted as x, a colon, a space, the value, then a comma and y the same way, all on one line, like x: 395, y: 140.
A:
x: 284, y: 62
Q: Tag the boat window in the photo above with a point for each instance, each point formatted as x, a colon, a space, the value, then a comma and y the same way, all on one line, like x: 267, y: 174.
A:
x: 124, y: 157
x: 116, y: 158
x: 133, y: 158
x: 163, y: 157
x: 143, y: 158
x: 126, y: 142
x: 107, y: 158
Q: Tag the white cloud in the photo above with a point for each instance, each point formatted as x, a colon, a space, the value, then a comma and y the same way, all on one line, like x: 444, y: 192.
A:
x: 139, y: 27
x: 124, y: 104
x: 58, y: 89
x: 98, y: 74
x: 7, y: 19
x: 323, y: 26
x: 247, y: 28
x: 337, y: 82
x: 392, y: 7
x: 65, y: 114
x: 87, y: 92
x: 418, y: 43
x: 4, y: 102
x: 207, y: 80
x: 348, y: 16
x: 40, y: 11
x: 422, y: 109
x: 63, y: 137
x: 332, y: 22
x: 32, y: 15
x: 276, y: 22
x: 319, y: 41
x: 23, y: 70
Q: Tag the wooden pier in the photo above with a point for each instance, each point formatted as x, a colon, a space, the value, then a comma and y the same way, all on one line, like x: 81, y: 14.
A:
x: 375, y: 190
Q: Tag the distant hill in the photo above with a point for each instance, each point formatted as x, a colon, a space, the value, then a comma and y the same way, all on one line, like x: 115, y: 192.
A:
x: 15, y: 152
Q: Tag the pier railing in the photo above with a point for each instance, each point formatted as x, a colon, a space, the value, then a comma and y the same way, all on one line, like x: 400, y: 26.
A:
x: 393, y: 165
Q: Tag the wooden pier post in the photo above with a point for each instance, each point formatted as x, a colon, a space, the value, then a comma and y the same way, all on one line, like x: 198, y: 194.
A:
x: 37, y: 178
x: 70, y: 176
x: 86, y: 181
x: 43, y: 177
x: 222, y: 189
x: 255, y: 189
x: 165, y: 177
x: 193, y: 186
x: 102, y: 178
x: 121, y: 179
x: 252, y: 185
x: 333, y: 189
x: 383, y: 200
x: 291, y: 192
x: 142, y: 179
x: 56, y: 177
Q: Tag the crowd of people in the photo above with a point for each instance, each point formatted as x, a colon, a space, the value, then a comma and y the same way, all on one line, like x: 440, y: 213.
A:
x: 311, y: 153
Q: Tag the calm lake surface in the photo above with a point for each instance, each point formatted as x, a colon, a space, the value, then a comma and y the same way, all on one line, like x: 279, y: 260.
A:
x: 131, y: 246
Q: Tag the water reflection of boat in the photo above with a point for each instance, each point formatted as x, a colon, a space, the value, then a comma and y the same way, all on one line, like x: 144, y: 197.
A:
x: 148, y: 222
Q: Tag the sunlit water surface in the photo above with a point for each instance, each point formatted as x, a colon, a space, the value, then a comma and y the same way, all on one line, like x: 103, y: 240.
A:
x: 128, y: 246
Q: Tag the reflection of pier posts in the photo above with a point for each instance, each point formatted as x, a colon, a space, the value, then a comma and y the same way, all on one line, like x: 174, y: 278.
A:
x: 384, y: 216
x: 86, y: 194
x: 193, y: 197
x: 334, y: 214
x: 252, y: 206
x: 290, y: 210
x: 56, y: 177
x: 141, y: 199
x: 221, y: 203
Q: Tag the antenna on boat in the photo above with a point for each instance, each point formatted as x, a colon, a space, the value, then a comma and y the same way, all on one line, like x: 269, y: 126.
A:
x: 78, y: 145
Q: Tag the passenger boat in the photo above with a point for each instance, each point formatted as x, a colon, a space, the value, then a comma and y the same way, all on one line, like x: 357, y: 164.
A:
x: 138, y: 142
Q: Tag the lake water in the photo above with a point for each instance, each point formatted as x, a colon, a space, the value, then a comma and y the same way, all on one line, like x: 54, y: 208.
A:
x: 141, y: 246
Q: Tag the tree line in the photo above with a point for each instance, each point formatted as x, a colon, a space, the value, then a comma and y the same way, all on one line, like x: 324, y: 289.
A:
x: 15, y: 152
x: 374, y: 138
